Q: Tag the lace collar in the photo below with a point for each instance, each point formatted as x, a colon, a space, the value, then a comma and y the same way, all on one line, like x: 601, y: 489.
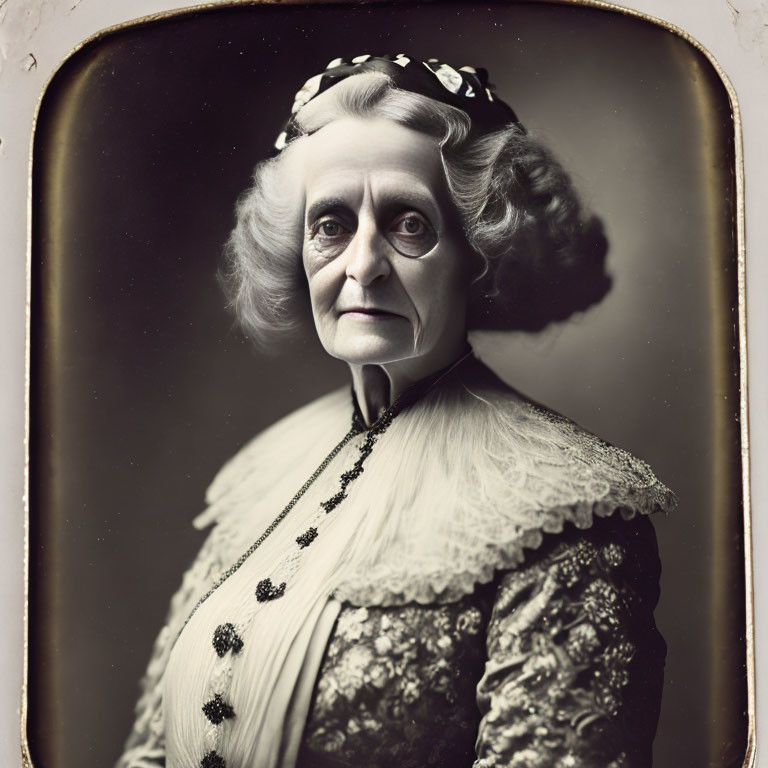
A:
x: 463, y: 481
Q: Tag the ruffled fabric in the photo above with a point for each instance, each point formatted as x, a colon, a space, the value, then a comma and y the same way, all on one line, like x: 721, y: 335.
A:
x: 462, y: 483
x: 260, y: 682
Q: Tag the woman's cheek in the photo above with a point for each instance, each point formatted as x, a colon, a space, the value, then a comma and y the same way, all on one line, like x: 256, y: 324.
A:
x: 323, y: 290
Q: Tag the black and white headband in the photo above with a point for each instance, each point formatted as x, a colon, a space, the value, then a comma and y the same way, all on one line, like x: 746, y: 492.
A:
x: 466, y: 88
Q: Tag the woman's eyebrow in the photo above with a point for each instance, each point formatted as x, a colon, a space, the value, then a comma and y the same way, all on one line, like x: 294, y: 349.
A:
x: 387, y: 200
x: 423, y: 201
x: 323, y: 205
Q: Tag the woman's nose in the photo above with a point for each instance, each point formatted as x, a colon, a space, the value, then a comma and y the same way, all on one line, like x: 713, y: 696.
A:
x: 368, y: 257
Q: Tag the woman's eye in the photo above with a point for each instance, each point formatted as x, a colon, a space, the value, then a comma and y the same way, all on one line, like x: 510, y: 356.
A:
x: 412, y: 235
x: 329, y: 237
x: 330, y: 228
x: 411, y: 225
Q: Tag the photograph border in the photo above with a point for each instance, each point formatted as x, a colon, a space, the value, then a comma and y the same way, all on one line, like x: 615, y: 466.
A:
x: 145, y: 20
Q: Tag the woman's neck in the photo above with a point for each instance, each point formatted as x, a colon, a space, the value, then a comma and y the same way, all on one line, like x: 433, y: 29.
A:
x: 377, y: 386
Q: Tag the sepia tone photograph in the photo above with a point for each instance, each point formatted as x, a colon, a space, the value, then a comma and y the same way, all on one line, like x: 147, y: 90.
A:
x: 385, y: 395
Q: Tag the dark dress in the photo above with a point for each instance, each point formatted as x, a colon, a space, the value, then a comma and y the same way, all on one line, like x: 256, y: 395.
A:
x: 573, y: 676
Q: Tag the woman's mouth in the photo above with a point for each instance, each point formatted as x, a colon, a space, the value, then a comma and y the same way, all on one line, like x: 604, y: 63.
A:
x: 369, y: 313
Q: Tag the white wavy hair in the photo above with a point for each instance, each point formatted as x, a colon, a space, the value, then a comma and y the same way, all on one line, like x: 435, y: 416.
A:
x: 542, y: 261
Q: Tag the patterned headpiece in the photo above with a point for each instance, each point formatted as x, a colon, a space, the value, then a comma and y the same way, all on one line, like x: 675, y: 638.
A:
x: 466, y: 88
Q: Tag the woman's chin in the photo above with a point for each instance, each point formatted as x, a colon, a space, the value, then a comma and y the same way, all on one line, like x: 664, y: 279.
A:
x: 371, y: 350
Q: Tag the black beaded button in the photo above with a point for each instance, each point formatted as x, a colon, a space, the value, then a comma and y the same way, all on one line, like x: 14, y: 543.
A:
x: 307, y: 538
x: 266, y: 590
x: 225, y: 638
x: 217, y: 710
x: 366, y: 449
x: 333, y: 502
x: 213, y: 760
x: 350, y: 475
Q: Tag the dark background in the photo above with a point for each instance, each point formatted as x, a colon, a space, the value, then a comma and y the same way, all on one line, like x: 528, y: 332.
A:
x: 142, y: 388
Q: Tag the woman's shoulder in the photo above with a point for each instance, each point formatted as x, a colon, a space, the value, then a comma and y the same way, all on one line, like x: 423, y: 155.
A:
x: 578, y: 465
x: 292, y: 440
x: 611, y: 545
x: 490, y: 476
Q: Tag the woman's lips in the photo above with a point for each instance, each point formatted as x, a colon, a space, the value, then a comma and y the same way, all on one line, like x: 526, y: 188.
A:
x: 369, y: 313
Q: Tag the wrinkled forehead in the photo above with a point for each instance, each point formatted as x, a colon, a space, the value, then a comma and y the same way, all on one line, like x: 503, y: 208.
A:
x: 351, y: 155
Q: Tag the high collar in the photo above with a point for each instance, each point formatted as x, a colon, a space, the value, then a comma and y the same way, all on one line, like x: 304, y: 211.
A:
x: 412, y: 393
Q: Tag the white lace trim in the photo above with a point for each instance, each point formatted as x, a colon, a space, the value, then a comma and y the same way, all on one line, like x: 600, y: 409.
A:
x: 458, y: 487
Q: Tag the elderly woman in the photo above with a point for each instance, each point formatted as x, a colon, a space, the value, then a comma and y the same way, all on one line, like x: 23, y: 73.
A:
x: 433, y: 571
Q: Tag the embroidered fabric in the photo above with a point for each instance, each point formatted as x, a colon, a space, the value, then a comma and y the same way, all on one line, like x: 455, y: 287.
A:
x: 568, y: 657
x: 575, y: 662
x: 397, y: 686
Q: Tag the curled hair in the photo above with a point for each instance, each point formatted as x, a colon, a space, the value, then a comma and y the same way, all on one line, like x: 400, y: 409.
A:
x: 542, y: 259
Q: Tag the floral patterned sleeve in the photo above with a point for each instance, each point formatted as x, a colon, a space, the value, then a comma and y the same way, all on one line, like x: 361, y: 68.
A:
x: 575, y: 662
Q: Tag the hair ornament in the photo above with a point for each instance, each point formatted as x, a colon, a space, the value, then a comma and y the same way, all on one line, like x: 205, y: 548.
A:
x: 466, y: 88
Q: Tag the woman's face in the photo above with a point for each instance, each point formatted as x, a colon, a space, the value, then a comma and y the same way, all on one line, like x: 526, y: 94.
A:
x: 387, y: 265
